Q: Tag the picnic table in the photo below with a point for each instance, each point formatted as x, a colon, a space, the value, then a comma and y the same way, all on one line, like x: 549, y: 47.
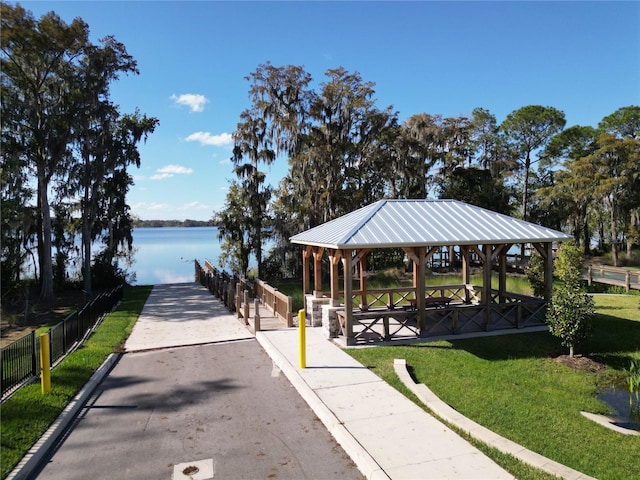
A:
x: 436, y: 302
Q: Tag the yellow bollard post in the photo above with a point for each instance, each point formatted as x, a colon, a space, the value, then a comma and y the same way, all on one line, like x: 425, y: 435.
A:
x: 302, y: 321
x: 45, y: 364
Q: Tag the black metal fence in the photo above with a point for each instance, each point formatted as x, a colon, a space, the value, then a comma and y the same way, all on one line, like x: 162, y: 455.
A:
x: 20, y: 360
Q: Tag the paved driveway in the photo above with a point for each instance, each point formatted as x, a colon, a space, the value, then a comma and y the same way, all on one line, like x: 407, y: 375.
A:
x: 220, y: 411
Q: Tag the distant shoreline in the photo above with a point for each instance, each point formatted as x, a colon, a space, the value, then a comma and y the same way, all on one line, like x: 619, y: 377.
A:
x: 172, y: 223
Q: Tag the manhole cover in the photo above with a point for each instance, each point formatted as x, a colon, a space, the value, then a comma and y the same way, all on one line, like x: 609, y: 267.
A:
x: 194, y: 470
x: 191, y: 470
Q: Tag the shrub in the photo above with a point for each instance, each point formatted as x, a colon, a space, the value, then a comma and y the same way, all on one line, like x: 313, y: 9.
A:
x: 535, y: 274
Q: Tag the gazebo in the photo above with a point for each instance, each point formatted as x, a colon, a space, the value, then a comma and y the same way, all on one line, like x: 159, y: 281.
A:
x: 421, y: 228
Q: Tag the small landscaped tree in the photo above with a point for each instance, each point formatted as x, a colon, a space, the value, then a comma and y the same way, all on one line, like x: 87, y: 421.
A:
x: 571, y: 309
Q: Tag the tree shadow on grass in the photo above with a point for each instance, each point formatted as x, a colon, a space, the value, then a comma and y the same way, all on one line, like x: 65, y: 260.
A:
x: 612, y: 340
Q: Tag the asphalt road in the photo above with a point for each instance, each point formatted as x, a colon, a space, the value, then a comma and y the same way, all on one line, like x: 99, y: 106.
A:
x: 222, y: 411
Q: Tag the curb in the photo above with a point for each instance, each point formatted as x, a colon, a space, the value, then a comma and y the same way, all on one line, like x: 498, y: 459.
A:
x: 477, y: 431
x: 365, y: 462
x: 36, y: 454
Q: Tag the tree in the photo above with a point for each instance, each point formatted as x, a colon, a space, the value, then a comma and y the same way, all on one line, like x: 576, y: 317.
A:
x: 624, y: 124
x: 38, y: 64
x: 491, y: 149
x: 333, y: 167
x: 64, y: 135
x: 573, y: 188
x: 98, y: 141
x: 253, y: 144
x: 269, y: 127
x: 615, y: 167
x: 17, y: 217
x: 477, y: 187
x: 529, y: 129
x: 422, y: 142
x: 345, y: 124
x: 233, y: 223
x: 571, y: 309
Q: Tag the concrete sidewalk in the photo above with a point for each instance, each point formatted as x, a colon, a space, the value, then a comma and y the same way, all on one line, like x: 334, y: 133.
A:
x: 384, y: 432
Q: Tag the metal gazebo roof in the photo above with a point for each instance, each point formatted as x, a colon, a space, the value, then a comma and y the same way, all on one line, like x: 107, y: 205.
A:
x: 412, y: 223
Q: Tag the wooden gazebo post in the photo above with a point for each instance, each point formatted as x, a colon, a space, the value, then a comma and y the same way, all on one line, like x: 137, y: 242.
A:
x: 502, y: 272
x: 418, y: 256
x: 486, y: 275
x: 334, y: 260
x: 317, y: 271
x: 464, y: 253
x: 361, y: 260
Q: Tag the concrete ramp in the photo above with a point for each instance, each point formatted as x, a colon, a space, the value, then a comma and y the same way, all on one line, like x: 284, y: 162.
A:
x: 183, y: 314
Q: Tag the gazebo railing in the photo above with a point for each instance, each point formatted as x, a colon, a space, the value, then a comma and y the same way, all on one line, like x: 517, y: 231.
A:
x: 508, y: 311
x: 402, y: 297
x: 390, y: 298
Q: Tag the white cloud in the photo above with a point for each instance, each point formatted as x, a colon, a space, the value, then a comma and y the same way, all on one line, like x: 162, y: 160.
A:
x: 225, y: 161
x: 160, y: 176
x: 195, y: 206
x: 175, y: 211
x: 143, y: 206
x: 169, y: 171
x: 194, y: 101
x: 175, y: 169
x: 206, y: 138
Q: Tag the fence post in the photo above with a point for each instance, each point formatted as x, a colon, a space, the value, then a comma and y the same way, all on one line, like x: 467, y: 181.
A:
x: 627, y: 281
x: 275, y: 302
x: 245, y: 313
x: 590, y: 275
x: 256, y: 315
x: 238, y: 301
x: 34, y: 354
x: 45, y: 364
x: 289, y: 311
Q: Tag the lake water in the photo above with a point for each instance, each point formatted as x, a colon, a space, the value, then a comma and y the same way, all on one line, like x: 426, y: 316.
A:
x: 167, y: 254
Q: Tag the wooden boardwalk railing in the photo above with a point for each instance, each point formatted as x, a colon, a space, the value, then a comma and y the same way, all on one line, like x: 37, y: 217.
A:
x: 238, y: 294
x: 622, y: 277
x: 280, y: 304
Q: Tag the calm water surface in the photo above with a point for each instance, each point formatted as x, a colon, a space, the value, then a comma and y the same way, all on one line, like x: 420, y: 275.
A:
x: 167, y: 254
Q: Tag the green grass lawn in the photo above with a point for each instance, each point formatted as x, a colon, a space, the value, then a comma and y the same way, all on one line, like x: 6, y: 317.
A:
x: 513, y: 386
x: 27, y: 414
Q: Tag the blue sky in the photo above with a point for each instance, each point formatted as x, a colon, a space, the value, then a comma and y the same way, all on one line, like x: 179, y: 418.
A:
x: 435, y: 57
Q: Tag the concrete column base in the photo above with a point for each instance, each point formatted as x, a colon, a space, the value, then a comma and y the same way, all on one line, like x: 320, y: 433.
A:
x: 314, y: 310
x: 330, y: 323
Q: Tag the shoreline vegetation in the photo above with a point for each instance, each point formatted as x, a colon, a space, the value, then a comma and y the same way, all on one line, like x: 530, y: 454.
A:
x: 172, y: 223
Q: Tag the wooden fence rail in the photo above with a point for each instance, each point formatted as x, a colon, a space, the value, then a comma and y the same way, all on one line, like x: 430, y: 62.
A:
x: 280, y: 304
x: 622, y: 277
x: 237, y: 293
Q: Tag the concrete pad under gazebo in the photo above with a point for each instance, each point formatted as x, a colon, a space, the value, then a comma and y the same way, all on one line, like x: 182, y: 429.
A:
x: 421, y: 228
